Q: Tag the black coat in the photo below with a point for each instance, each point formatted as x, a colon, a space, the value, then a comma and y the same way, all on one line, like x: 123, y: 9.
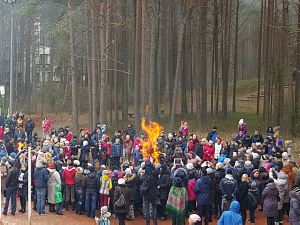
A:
x: 12, y: 178
x: 164, y: 184
x: 243, y: 195
x: 152, y: 182
x: 125, y: 191
x: 270, y: 198
x: 132, y: 183
x: 91, y: 183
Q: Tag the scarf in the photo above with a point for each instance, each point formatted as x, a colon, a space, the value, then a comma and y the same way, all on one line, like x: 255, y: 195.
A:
x: 177, y: 203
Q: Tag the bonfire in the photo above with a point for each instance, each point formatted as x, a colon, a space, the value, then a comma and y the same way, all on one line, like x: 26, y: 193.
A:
x: 150, y: 149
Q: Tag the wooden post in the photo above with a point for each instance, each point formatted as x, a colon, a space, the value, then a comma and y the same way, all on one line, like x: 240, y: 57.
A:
x: 29, y: 185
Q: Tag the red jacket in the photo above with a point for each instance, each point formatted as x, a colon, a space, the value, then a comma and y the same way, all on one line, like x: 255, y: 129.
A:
x: 68, y: 152
x: 1, y: 133
x: 69, y: 137
x: 191, y: 192
x: 191, y: 146
x: 208, y: 153
x: 69, y: 175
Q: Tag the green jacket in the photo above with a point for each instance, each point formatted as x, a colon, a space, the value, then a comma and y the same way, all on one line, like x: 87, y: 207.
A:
x: 58, y: 194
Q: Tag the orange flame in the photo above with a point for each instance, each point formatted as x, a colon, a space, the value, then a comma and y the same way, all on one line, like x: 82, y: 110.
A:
x: 149, y: 144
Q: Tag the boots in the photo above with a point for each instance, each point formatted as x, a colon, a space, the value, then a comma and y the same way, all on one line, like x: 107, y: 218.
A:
x: 67, y: 206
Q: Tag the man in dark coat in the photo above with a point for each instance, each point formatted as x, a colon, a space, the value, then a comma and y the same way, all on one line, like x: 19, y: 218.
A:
x: 41, y: 178
x: 150, y: 183
x: 270, y: 198
x: 164, y: 185
x: 219, y: 175
x: 202, y: 191
x: 91, y: 189
x: 29, y: 127
x: 229, y: 188
x: 11, y: 188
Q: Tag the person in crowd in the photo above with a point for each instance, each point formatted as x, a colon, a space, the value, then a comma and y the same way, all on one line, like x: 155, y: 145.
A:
x: 163, y: 190
x: 91, y: 190
x: 270, y: 198
x: 121, y: 201
x: 69, y: 177
x: 23, y: 187
x: 177, y: 202
x: 79, y: 190
x: 232, y: 216
x: 105, y: 185
x: 11, y: 187
x: 53, y: 180
x: 104, y: 218
x: 202, y: 191
x: 29, y: 127
x: 228, y: 188
x: 243, y: 196
x: 116, y: 152
x: 58, y: 199
x: 41, y: 178
x: 294, y: 214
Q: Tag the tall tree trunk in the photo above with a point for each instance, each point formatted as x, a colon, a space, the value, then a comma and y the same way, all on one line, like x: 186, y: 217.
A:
x: 137, y: 63
x: 236, y: 43
x: 153, y: 55
x: 73, y: 70
x: 259, y: 57
x: 216, y: 56
x: 203, y: 33
x: 181, y: 29
x: 103, y: 78
x: 89, y: 27
x: 93, y: 66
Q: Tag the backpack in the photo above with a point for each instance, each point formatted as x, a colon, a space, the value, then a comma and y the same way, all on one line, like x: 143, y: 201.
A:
x: 252, y: 200
x: 121, y: 200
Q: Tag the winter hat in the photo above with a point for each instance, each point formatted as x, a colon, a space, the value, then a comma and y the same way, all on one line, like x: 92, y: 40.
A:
x: 121, y: 181
x: 210, y: 142
x: 105, y: 172
x: 280, y: 143
x: 229, y: 171
x: 4, y: 160
x: 115, y: 173
x: 76, y: 163
x: 248, y: 163
x: 104, y: 209
x: 141, y: 171
x: 258, y: 144
x: 103, y: 166
x: 285, y: 155
x: 12, y: 155
x: 209, y: 171
x: 255, y: 155
x: 249, y: 151
x: 226, y: 161
x: 85, y: 143
x: 189, y: 166
x: 194, y: 218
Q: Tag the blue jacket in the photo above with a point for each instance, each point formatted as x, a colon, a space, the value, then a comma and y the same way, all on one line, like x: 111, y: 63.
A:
x: 201, y: 189
x: 41, y: 177
x: 2, y: 152
x: 117, y: 150
x: 232, y: 216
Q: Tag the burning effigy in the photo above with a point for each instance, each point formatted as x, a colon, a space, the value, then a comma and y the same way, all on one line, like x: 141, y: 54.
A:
x: 150, y: 149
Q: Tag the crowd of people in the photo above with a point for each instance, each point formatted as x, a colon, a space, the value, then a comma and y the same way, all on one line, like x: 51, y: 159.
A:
x: 197, y: 178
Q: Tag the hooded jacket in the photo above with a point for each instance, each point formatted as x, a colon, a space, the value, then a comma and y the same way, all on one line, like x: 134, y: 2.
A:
x: 294, y: 215
x: 91, y: 183
x: 282, y: 185
x: 41, y: 176
x: 232, y: 216
x: 69, y: 175
x: 228, y: 186
x: 270, y: 197
x: 58, y: 194
x: 201, y: 189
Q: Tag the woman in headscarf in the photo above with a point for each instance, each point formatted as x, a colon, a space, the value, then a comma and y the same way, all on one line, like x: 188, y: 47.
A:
x: 54, y: 178
x: 178, y: 198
